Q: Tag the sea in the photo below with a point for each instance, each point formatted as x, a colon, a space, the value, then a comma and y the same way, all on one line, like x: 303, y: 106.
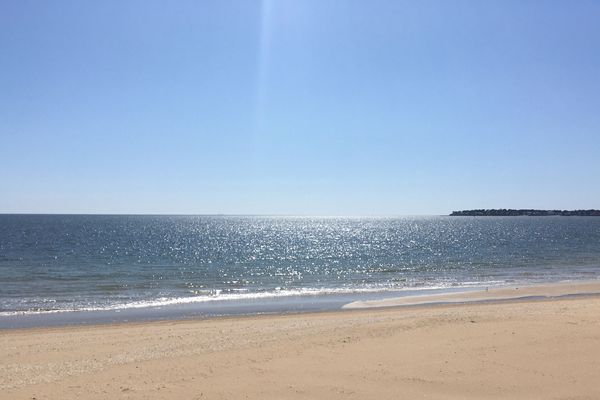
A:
x: 72, y: 269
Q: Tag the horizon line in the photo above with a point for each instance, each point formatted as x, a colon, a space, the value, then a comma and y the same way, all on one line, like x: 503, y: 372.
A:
x: 226, y: 214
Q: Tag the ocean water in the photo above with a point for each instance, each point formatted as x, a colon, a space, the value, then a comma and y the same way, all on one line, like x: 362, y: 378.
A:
x: 61, y: 263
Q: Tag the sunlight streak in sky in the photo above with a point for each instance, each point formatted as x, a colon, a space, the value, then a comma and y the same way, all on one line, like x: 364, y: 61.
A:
x: 263, y: 64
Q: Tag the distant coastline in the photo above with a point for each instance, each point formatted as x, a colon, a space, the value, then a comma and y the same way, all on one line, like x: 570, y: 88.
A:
x: 502, y: 212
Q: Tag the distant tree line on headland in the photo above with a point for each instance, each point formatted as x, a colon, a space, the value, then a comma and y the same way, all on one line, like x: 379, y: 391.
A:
x: 503, y: 212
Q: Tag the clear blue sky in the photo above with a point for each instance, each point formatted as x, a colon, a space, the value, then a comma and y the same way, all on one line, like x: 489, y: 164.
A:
x: 298, y: 107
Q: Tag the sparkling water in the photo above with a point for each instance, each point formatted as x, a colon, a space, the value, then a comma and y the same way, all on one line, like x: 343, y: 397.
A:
x: 105, y: 262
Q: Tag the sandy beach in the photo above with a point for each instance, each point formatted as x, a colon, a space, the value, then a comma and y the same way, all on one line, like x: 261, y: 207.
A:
x: 517, y: 349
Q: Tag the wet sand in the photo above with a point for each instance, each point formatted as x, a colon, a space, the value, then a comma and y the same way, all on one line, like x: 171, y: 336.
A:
x: 545, y: 291
x: 518, y: 349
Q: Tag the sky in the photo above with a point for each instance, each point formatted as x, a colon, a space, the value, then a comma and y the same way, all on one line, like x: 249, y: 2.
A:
x: 314, y: 107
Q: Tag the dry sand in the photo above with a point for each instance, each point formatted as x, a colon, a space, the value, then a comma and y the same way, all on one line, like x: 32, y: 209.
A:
x: 546, y: 349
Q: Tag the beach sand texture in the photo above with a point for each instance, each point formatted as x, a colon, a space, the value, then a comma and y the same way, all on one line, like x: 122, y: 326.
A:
x: 546, y: 349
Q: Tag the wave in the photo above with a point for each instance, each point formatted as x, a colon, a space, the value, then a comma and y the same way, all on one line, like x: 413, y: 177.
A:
x: 221, y: 296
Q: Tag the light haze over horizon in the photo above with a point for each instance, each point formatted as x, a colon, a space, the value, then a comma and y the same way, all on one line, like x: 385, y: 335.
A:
x: 298, y: 107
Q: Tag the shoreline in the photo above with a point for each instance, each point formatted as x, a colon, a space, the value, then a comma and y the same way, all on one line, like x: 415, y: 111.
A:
x: 299, y: 305
x: 506, y: 349
x: 494, y: 294
x: 426, y: 306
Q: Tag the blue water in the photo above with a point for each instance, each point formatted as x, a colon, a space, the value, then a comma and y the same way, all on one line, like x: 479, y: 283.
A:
x: 54, y: 263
